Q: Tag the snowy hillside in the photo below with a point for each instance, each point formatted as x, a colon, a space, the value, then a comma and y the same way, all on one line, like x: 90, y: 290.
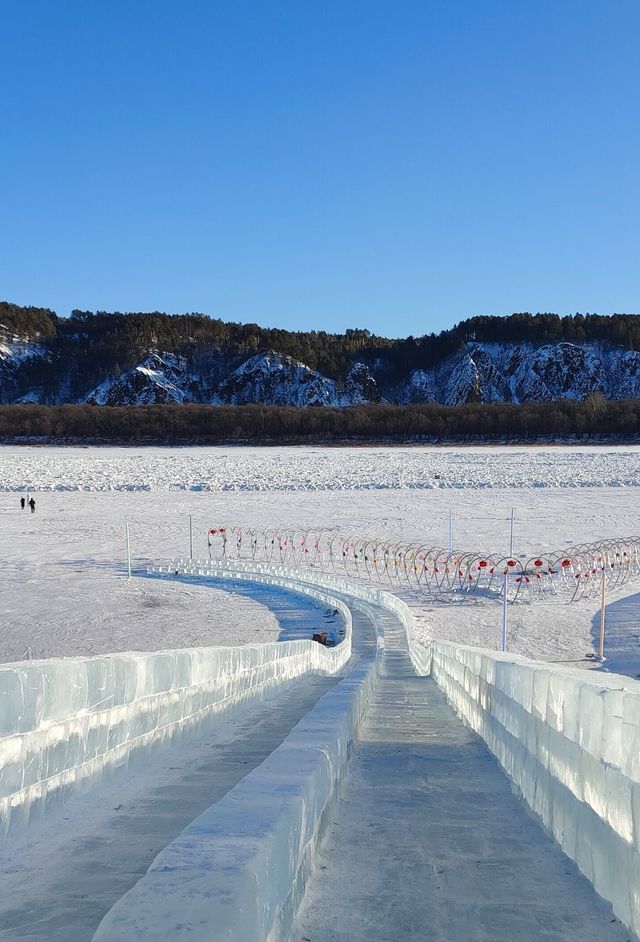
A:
x: 34, y: 370
x: 277, y: 380
x: 478, y: 373
x: 156, y: 380
x: 14, y: 351
x: 142, y: 358
x: 526, y: 373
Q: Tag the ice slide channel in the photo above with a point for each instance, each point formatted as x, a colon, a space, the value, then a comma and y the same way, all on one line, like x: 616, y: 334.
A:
x: 428, y: 839
x: 126, y: 799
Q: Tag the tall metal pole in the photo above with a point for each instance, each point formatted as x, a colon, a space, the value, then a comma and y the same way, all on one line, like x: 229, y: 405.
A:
x: 128, y: 540
x: 603, y: 591
x: 511, y: 535
x: 503, y: 635
x: 450, y: 532
x: 190, y: 537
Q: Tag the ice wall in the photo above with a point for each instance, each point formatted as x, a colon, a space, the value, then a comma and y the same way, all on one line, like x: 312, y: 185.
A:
x: 239, y: 871
x: 66, y: 721
x: 570, y: 741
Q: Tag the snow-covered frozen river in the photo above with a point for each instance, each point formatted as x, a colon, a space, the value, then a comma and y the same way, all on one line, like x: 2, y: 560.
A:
x: 62, y: 584
x: 310, y: 469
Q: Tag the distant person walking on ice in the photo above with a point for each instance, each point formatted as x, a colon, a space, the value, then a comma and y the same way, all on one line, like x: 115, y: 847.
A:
x: 32, y: 504
x: 22, y: 502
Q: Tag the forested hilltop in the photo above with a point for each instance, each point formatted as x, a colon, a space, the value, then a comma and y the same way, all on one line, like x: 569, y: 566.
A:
x: 152, y: 358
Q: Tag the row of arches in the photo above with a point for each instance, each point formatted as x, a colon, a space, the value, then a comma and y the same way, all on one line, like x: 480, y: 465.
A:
x: 575, y: 573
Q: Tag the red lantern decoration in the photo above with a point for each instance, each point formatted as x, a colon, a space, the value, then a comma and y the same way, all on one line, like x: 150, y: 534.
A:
x: 566, y: 563
x: 537, y: 563
x: 511, y: 563
x: 482, y: 564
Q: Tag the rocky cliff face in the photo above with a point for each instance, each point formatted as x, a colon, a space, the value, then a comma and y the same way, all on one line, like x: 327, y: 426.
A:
x: 14, y: 351
x: 156, y: 380
x: 276, y: 380
x: 360, y: 386
x: 279, y: 380
x: 525, y: 373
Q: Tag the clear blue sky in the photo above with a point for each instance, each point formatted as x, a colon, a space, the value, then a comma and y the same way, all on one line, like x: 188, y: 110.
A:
x: 393, y: 165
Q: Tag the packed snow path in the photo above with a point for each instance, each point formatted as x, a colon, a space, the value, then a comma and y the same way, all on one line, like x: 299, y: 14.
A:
x: 57, y: 882
x: 429, y: 842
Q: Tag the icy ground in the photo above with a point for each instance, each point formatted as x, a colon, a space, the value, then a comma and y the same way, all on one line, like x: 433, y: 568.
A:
x: 62, y: 589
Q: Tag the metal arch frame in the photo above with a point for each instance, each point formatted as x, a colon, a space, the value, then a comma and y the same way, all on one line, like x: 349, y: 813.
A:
x: 324, y: 535
x: 574, y: 573
x: 299, y: 545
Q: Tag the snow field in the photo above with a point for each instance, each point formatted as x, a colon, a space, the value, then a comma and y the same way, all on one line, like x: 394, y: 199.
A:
x: 67, y: 721
x: 63, y: 593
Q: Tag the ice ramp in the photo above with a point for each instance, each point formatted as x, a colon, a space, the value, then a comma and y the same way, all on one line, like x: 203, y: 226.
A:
x: 67, y: 723
x: 427, y: 839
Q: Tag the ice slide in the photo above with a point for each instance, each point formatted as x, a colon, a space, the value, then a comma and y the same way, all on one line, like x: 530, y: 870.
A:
x: 59, y: 879
x: 62, y: 873
x: 427, y: 840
